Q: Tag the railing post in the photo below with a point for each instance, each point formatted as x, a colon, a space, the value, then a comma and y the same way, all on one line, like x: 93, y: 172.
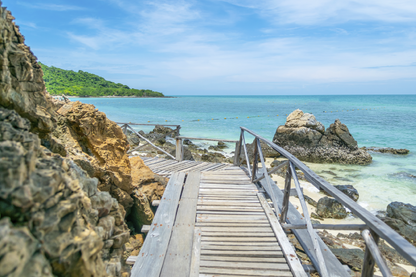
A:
x: 125, y: 129
x: 177, y: 130
x: 372, y: 255
x: 255, y: 162
x: 237, y: 152
x: 285, y: 205
x: 179, y: 149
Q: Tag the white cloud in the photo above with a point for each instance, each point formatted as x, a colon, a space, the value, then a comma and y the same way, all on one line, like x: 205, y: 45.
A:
x: 307, y: 12
x: 51, y: 7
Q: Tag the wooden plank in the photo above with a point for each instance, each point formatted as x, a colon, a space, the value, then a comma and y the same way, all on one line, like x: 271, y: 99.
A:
x: 294, y: 217
x: 227, y: 213
x: 237, y: 234
x: 237, y: 229
x: 242, y: 259
x: 229, y: 208
x: 221, y: 218
x: 256, y: 239
x: 145, y: 229
x: 237, y: 253
x: 240, y: 265
x: 150, y: 260
x: 158, y: 165
x: 290, y: 255
x: 229, y: 203
x: 240, y: 248
x: 215, y: 166
x: 242, y: 243
x: 179, y: 253
x: 215, y: 272
x: 238, y: 224
x: 196, y: 253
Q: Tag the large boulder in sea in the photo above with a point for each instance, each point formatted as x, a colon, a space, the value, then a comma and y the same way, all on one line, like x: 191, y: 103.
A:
x: 306, y: 138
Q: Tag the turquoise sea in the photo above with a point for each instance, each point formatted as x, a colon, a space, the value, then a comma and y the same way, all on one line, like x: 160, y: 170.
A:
x: 373, y: 120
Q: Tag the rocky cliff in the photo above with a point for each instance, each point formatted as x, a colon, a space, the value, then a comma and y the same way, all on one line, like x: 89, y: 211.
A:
x: 306, y: 138
x: 66, y: 181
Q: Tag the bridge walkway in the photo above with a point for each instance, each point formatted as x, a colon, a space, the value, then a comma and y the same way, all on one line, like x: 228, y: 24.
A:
x: 215, y: 223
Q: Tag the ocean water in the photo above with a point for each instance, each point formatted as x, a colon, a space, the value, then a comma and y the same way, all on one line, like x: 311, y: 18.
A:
x: 376, y: 120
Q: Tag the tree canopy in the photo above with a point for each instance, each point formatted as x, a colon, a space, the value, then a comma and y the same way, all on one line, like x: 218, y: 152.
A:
x: 59, y: 81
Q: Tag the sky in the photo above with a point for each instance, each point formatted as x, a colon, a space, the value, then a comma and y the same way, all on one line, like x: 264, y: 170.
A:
x: 229, y: 47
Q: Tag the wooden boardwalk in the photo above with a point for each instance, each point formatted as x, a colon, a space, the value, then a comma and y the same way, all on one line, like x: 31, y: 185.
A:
x: 167, y: 167
x: 215, y: 223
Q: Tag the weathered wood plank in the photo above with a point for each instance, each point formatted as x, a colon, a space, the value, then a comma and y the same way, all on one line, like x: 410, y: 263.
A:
x: 256, y: 239
x: 290, y: 255
x: 196, y: 253
x: 263, y: 229
x: 179, y: 252
x: 237, y: 234
x: 243, y: 259
x: 240, y: 248
x: 221, y: 222
x: 239, y: 265
x: 150, y: 260
x: 229, y: 208
x: 216, y: 272
x: 236, y: 253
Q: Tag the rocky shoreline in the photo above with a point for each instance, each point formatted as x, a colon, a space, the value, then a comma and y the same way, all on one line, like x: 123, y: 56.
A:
x: 72, y: 202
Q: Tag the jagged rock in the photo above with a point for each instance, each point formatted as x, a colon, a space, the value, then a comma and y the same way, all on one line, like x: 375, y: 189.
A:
x: 306, y: 138
x: 403, y: 212
x: 330, y: 208
x: 219, y: 147
x: 402, y: 218
x: 267, y: 151
x: 159, y: 129
x: 310, y: 201
x: 133, y: 139
x: 387, y: 150
x: 21, y: 86
x: 147, y: 187
x: 50, y: 209
x: 349, y: 190
x: 351, y: 257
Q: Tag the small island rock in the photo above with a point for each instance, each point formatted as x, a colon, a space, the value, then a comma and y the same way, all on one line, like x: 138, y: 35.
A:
x: 306, y: 138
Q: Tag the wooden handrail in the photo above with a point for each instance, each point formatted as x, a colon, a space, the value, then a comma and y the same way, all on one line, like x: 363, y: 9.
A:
x: 401, y: 245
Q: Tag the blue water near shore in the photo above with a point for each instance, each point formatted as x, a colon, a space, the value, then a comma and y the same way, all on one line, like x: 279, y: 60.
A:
x: 376, y: 120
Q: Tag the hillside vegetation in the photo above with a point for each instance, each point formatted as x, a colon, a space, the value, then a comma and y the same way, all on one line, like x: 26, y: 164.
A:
x: 59, y: 81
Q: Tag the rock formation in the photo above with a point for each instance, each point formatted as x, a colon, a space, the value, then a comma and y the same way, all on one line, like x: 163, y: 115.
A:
x: 387, y: 150
x: 330, y: 208
x: 306, y: 138
x: 66, y: 182
x: 402, y: 218
x: 54, y: 220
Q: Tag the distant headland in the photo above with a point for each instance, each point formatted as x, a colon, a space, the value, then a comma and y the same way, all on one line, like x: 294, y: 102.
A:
x: 83, y: 84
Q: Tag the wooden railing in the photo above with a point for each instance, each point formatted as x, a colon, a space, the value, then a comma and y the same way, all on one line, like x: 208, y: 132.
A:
x: 179, y: 145
x: 373, y: 229
x: 126, y: 126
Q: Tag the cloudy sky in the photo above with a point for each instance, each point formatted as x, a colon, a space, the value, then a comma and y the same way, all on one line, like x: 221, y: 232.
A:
x: 230, y: 46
